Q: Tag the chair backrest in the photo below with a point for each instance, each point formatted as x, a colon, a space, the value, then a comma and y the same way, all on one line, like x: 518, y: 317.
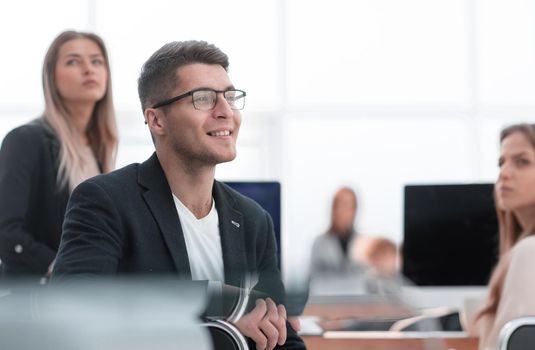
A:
x: 226, y: 336
x: 518, y: 334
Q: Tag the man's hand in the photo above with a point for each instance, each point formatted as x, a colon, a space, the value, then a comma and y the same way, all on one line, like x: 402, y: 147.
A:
x: 265, y: 324
x: 295, y: 323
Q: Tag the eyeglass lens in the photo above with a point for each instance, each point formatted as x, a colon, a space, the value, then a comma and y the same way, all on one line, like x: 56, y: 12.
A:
x: 206, y: 99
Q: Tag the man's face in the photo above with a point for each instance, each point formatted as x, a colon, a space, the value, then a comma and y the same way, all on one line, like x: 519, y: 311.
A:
x: 201, y: 138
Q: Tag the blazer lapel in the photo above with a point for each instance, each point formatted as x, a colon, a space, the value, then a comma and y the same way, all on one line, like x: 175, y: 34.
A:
x: 232, y: 235
x: 159, y: 199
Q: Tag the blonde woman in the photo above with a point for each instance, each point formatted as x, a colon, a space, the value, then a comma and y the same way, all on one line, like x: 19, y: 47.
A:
x: 41, y: 162
x: 512, y: 287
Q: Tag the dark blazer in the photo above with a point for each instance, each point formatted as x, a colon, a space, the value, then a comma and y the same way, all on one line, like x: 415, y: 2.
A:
x: 32, y: 205
x: 126, y: 222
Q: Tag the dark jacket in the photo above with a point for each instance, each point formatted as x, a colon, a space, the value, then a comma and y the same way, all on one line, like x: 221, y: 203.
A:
x: 32, y: 205
x: 126, y: 222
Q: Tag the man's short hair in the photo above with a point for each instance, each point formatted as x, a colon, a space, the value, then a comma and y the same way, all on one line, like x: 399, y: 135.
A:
x: 158, y: 75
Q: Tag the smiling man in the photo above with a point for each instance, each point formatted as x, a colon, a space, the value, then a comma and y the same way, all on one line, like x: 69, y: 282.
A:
x: 168, y: 215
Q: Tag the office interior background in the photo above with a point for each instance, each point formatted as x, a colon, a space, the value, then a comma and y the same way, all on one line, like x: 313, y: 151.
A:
x: 373, y: 94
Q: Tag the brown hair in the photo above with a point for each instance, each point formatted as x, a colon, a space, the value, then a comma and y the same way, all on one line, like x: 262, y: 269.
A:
x: 510, y: 233
x: 158, y: 75
x: 382, y: 255
x: 102, y: 128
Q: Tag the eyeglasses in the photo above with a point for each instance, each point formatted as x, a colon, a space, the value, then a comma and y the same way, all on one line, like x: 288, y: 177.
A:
x: 205, y: 99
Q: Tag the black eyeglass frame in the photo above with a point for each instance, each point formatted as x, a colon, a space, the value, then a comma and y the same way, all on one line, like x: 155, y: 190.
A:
x: 190, y: 93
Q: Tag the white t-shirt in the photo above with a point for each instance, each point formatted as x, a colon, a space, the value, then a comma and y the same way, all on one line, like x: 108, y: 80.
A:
x: 203, y: 243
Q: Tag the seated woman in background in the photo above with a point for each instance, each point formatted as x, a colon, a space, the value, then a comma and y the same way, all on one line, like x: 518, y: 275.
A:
x: 512, y: 287
x: 41, y: 162
x: 330, y: 251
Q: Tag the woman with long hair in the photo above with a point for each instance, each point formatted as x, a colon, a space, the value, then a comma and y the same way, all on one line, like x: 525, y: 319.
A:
x: 41, y: 162
x: 512, y: 287
x: 331, y: 250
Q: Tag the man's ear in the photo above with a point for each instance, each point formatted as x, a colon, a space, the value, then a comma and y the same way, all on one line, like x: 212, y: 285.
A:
x: 153, y: 118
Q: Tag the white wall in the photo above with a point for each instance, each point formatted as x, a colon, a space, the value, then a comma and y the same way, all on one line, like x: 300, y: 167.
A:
x: 371, y: 93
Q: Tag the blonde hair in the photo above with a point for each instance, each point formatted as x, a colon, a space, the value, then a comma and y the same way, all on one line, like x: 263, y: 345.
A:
x: 510, y: 233
x: 101, y: 130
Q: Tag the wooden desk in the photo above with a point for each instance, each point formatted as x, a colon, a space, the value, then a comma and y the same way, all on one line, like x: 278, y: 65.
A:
x: 391, y: 341
x: 350, y: 310
x: 378, y: 340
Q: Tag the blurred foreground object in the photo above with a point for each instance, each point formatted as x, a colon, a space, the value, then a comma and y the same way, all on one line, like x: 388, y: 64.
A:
x: 123, y: 315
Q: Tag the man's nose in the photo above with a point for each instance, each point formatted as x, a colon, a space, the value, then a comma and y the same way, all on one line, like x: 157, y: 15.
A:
x: 222, y: 107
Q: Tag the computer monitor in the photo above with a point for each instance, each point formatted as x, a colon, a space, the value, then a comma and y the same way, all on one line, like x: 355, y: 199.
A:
x: 268, y: 195
x: 450, y: 234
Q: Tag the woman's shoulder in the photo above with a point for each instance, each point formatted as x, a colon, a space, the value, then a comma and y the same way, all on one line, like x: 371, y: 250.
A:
x: 524, y: 250
x: 28, y: 142
x: 522, y: 263
x: 325, y: 241
x: 30, y: 133
x: 36, y: 127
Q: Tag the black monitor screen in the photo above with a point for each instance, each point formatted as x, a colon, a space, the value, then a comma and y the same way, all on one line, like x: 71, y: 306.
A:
x: 268, y: 195
x: 450, y: 234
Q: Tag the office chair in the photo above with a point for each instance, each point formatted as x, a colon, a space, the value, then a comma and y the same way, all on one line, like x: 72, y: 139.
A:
x: 225, y: 336
x: 518, y: 334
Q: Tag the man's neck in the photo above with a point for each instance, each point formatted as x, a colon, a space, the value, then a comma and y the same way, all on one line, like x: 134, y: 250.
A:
x: 191, y: 184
